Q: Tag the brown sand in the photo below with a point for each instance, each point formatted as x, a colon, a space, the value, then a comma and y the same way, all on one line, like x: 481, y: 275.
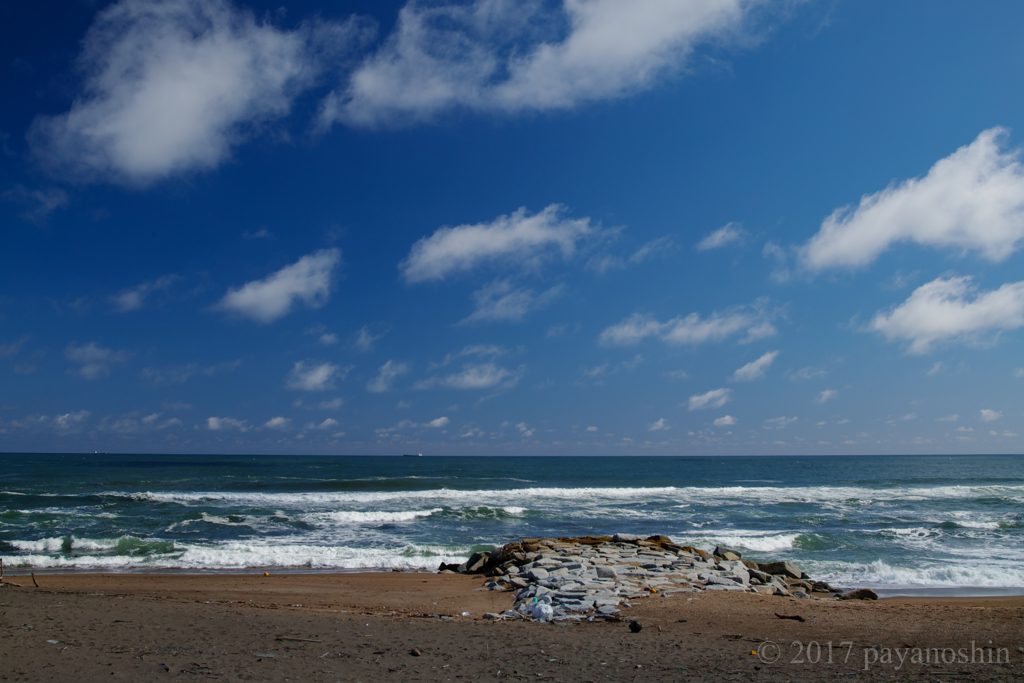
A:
x: 362, y: 627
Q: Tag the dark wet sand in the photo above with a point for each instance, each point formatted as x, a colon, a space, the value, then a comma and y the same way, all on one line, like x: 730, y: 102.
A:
x: 362, y: 627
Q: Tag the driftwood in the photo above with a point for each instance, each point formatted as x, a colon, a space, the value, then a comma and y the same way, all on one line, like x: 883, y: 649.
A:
x: 34, y: 582
x: 794, y: 617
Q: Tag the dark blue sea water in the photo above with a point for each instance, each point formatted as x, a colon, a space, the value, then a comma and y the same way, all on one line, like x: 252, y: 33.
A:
x: 886, y: 522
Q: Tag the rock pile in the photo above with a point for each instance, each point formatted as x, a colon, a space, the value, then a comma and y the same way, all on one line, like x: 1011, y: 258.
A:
x: 591, y: 576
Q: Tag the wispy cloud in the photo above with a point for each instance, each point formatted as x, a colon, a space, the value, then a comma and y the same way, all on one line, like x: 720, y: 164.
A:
x: 951, y: 310
x: 754, y: 320
x: 38, y: 204
x: 778, y: 422
x: 315, y: 376
x: 134, y: 298
x: 94, y: 361
x: 517, y: 240
x: 474, y: 376
x: 730, y: 233
x: 971, y: 200
x: 179, y: 374
x: 710, y: 400
x: 606, y: 262
x: 225, y: 424
x: 988, y: 415
x: 725, y: 421
x: 308, y: 280
x: 365, y: 338
x: 386, y: 376
x: 659, y: 426
x: 826, y: 395
x: 500, y: 301
x: 755, y: 369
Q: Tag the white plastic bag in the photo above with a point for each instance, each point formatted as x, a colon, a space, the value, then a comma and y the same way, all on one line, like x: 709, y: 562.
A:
x: 542, y: 612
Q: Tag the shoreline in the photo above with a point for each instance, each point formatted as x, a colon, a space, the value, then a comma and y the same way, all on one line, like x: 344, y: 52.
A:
x: 367, y: 627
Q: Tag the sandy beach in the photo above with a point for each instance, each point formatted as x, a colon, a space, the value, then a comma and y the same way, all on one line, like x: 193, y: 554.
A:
x: 366, y: 626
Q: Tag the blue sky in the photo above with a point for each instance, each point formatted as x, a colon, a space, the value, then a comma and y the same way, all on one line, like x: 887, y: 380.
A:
x: 484, y: 227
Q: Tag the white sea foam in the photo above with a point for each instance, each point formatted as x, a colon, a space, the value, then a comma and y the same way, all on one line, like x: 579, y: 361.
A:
x: 879, y: 574
x: 537, y: 496
x: 354, y: 517
x: 757, y: 541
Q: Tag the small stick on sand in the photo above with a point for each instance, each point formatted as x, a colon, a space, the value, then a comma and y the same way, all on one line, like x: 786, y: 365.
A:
x: 1, y: 570
x: 34, y: 582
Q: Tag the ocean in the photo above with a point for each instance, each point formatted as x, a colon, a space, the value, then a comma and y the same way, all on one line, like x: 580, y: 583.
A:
x: 939, y: 525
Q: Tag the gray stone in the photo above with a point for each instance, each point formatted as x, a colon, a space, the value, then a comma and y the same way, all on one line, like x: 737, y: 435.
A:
x: 537, y: 574
x: 722, y: 550
x: 782, y: 568
x: 476, y: 562
x: 628, y: 538
x: 607, y: 573
x: 861, y: 594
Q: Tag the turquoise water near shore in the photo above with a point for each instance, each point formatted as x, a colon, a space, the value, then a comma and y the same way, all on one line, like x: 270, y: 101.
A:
x: 892, y: 523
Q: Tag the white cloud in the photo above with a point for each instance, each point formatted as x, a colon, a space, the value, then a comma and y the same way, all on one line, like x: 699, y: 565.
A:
x: 473, y: 376
x: 807, y: 373
x: 971, y: 200
x: 755, y: 320
x: 677, y: 374
x: 606, y: 262
x: 328, y: 339
x: 365, y: 338
x: 332, y: 404
x: 755, y: 369
x: 278, y: 423
x: 438, y: 423
x: 179, y: 374
x: 174, y: 86
x: 1018, y: 373
x: 500, y: 302
x: 826, y: 395
x: 962, y: 428
x: 219, y: 424
x: 591, y: 429
x: 134, y: 298
x: 941, y: 311
x: 779, y: 422
x: 136, y: 423
x: 515, y: 56
x: 266, y: 300
x: 95, y: 360
x: 478, y: 350
x: 329, y: 423
x: 386, y: 376
x: 312, y: 376
x: 988, y: 415
x: 524, y: 430
x: 70, y: 421
x: 712, y: 399
x: 519, y: 239
x: 658, y: 426
x: 936, y: 369
x: 730, y: 233
x: 949, y: 418
x: 725, y: 421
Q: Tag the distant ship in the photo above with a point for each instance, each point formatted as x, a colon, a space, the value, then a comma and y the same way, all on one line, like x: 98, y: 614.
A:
x: 412, y: 455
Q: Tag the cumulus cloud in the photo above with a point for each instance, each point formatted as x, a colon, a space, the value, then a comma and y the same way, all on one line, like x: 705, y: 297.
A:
x: 474, y: 376
x: 313, y: 376
x: 712, y: 399
x: 500, y: 301
x: 988, y: 415
x: 307, y: 280
x: 827, y: 395
x: 174, y: 86
x: 221, y: 424
x: 516, y: 240
x: 133, y: 299
x: 755, y: 369
x: 755, y: 320
x: 525, y: 430
x: 281, y: 423
x: 520, y: 56
x: 730, y: 233
x: 95, y: 361
x: 971, y: 200
x: 329, y: 423
x: 659, y: 426
x: 438, y: 423
x: 386, y: 376
x: 725, y: 421
x: 952, y: 309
